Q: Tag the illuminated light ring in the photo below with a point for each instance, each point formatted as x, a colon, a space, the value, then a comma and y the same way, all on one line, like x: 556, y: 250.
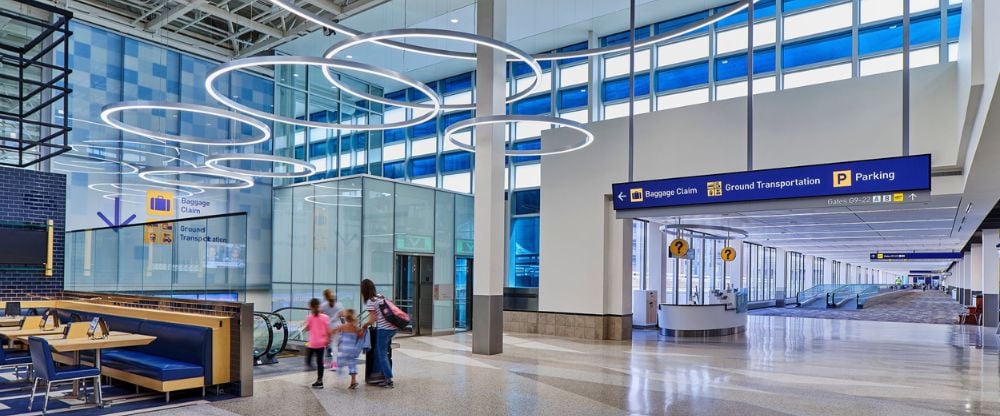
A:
x: 150, y: 174
x: 504, y: 119
x: 125, y: 189
x: 215, y: 162
x: 551, y: 56
x: 135, y: 151
x: 106, y: 112
x: 132, y: 168
x: 325, y: 63
x: 175, y: 148
x: 506, y: 48
x: 732, y: 233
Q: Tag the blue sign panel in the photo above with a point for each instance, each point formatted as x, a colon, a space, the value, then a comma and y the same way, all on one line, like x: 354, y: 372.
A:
x: 947, y: 255
x: 889, y: 176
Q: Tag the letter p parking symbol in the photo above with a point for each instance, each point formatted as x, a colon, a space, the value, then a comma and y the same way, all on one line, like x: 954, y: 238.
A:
x: 841, y: 178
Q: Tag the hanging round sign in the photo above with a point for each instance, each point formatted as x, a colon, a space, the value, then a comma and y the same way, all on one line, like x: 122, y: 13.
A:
x: 728, y: 253
x: 678, y: 247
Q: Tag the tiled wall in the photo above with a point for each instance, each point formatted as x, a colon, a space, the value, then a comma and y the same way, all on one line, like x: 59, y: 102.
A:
x: 31, y: 197
x: 607, y: 327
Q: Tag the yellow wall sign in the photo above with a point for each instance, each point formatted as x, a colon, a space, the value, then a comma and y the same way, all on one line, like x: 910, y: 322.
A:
x: 678, y: 247
x: 728, y: 254
x: 160, y: 203
x: 160, y: 233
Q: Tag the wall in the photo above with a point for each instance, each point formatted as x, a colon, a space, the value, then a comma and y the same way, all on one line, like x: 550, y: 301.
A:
x: 813, y: 124
x: 31, y: 197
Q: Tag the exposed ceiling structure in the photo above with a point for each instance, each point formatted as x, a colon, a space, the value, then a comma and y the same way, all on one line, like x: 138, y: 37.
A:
x: 850, y: 234
x: 219, y: 29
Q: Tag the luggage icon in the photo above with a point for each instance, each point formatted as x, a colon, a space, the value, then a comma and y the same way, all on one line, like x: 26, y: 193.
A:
x: 159, y: 204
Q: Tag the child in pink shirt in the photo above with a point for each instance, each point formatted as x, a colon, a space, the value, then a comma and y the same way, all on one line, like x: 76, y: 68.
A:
x: 317, y: 324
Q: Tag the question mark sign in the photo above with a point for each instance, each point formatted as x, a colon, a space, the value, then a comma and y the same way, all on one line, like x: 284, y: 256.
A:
x: 678, y: 244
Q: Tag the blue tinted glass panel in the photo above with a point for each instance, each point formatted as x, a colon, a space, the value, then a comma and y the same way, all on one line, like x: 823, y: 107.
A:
x: 427, y: 128
x: 954, y: 23
x: 539, y: 104
x: 452, y: 118
x: 681, y: 77
x: 526, y: 202
x: 890, y: 35
x: 523, y: 252
x: 396, y: 96
x: 300, y: 152
x: 454, y: 162
x: 456, y: 83
x: 423, y: 166
x: 360, y: 141
x: 573, y: 97
x: 535, y: 144
x: 622, y: 37
x: 317, y: 149
x: 792, y: 5
x: 735, y: 66
x: 518, y: 69
x: 394, y: 135
x: 394, y: 170
x: 574, y: 47
x: 762, y: 10
x: 671, y: 24
x: 618, y: 88
x: 827, y: 48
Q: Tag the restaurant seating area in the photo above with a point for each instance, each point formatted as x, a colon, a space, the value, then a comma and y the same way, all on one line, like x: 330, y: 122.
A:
x: 96, y: 357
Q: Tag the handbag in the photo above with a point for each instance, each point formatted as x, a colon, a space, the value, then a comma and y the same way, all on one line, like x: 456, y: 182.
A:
x: 392, y: 313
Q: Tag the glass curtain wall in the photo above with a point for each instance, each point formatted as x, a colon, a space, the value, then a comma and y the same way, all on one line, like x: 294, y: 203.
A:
x: 819, y: 266
x: 333, y: 233
x: 691, y: 279
x: 759, y: 271
x: 795, y: 273
x: 639, y: 230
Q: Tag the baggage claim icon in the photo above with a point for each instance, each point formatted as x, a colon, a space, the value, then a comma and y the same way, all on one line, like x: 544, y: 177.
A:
x: 159, y: 203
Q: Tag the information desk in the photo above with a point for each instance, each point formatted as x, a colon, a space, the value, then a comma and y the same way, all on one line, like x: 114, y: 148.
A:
x: 700, y: 320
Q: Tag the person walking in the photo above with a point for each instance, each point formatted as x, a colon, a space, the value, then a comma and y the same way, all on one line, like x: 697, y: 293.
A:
x: 384, y: 331
x: 334, y: 309
x: 318, y: 327
x: 347, y: 349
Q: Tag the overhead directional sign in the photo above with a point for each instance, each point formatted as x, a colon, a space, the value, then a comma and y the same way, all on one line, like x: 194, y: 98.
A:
x: 890, y: 176
x: 903, y: 256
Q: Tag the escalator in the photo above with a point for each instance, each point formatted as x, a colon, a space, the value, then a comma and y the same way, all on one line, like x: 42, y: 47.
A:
x: 270, y: 337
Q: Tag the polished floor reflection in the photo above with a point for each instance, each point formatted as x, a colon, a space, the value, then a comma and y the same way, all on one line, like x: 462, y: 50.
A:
x: 781, y: 365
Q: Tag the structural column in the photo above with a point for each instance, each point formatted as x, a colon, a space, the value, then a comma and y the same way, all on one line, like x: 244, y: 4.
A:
x: 488, y: 274
x: 976, y: 277
x: 991, y: 278
x: 967, y: 278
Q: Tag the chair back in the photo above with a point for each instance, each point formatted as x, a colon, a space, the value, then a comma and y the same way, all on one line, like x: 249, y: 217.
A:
x: 3, y: 356
x: 12, y: 309
x: 41, y: 358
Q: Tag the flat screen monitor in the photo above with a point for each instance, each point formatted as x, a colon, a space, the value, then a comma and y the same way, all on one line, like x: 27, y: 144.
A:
x: 12, y: 309
x: 23, y: 246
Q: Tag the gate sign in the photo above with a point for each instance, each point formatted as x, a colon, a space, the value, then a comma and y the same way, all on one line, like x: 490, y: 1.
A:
x: 889, y: 176
x: 903, y: 256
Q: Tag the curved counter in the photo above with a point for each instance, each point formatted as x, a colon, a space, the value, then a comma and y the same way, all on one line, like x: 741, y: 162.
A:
x: 699, y: 320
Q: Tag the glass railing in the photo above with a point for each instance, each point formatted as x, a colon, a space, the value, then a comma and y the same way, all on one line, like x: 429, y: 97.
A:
x: 855, y: 292
x: 818, y: 291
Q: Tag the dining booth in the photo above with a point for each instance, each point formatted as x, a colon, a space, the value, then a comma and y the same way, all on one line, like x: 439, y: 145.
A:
x: 158, y: 344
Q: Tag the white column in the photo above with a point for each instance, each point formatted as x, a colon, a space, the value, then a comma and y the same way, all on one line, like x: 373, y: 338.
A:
x: 991, y: 277
x: 780, y: 274
x: 967, y: 278
x: 487, y: 327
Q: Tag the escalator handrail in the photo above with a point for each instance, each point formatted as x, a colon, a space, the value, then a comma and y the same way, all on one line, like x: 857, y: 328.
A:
x: 270, y: 335
x: 284, y: 329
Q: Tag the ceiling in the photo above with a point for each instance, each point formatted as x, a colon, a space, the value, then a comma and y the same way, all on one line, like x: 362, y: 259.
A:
x: 534, y: 26
x: 218, y: 29
x: 850, y: 234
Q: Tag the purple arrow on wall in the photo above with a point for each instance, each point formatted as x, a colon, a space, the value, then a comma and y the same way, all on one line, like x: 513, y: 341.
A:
x: 116, y: 224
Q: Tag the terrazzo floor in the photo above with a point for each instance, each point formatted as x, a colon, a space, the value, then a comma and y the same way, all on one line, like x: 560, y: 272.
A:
x: 780, y: 366
x: 918, y: 306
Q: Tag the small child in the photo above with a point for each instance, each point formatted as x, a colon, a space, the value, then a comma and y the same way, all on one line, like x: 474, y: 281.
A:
x: 317, y: 324
x: 347, y: 345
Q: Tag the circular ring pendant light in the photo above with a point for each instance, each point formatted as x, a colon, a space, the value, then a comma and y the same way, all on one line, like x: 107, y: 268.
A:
x: 372, y: 37
x: 588, y: 137
x: 326, y: 64
x: 140, y: 189
x: 264, y: 132
x: 153, y: 175
x: 217, y: 162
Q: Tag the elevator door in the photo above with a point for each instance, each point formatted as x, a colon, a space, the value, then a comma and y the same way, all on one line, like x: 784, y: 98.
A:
x: 414, y: 292
x: 463, y: 294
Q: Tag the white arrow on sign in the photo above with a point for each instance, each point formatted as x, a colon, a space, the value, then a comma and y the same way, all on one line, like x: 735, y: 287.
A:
x: 621, y: 196
x: 913, y: 197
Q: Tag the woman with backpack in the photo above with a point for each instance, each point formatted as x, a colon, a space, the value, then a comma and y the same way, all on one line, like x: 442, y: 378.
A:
x: 384, y: 330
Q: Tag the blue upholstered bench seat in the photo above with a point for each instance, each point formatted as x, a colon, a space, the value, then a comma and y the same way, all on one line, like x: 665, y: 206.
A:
x: 148, y: 365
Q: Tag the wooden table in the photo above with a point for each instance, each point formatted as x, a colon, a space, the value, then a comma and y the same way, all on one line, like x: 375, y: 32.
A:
x: 22, y: 334
x: 10, y: 320
x: 114, y: 340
